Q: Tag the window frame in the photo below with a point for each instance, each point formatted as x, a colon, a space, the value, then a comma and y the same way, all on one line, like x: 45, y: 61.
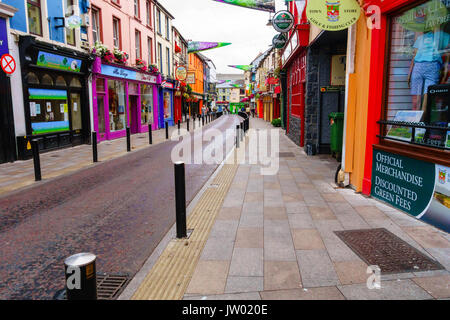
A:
x: 160, y: 58
x: 158, y: 20
x: 99, y: 31
x: 150, y: 49
x: 167, y: 28
x: 168, y: 60
x: 137, y: 5
x: 114, y: 18
x: 137, y: 35
x: 67, y: 30
x: 148, y: 9
x: 38, y: 4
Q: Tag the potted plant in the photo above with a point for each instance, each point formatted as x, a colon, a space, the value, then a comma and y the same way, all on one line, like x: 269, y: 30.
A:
x: 102, y: 53
x: 141, y: 64
x: 120, y: 56
x: 153, y: 68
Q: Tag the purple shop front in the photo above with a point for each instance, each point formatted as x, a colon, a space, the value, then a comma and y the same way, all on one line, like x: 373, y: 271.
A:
x: 123, y: 97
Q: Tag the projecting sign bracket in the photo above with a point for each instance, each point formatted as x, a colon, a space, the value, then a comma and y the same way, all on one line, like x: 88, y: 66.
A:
x: 60, y: 19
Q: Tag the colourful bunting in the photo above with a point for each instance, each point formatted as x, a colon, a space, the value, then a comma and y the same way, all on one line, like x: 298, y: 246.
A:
x: 197, y: 46
x: 262, y: 5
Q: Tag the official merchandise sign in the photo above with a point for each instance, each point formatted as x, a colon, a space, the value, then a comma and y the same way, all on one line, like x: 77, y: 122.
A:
x: 333, y: 15
x: 279, y: 41
x: 181, y: 73
x: 8, y: 63
x: 283, y: 21
x: 422, y: 189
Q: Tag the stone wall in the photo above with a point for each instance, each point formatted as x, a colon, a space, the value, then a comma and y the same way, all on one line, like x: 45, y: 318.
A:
x: 294, y: 129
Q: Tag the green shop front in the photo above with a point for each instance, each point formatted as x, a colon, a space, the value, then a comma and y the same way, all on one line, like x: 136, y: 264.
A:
x: 56, y: 100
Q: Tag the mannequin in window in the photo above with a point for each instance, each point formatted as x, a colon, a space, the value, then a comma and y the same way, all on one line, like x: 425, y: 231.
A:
x: 430, y: 56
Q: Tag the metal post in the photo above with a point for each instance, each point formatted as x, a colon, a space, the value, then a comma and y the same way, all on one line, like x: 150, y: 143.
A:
x: 81, y: 277
x: 128, y: 139
x: 237, y: 136
x: 179, y: 123
x: 187, y: 124
x: 36, y: 160
x: 203, y: 121
x: 94, y: 147
x: 242, y: 130
x: 150, y: 134
x: 180, y: 200
x: 167, y: 130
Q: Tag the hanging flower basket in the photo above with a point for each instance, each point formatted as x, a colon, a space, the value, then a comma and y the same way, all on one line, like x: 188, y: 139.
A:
x: 141, y: 65
x: 153, y: 68
x: 120, y: 56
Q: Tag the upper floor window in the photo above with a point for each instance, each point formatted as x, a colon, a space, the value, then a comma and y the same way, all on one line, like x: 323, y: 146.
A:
x: 96, y: 25
x: 136, y: 8
x: 149, y: 13
x: 69, y: 11
x: 167, y: 29
x: 34, y: 17
x: 158, y: 20
x: 116, y: 32
x: 150, y: 50
x: 137, y: 36
x: 160, y: 58
x: 168, y: 61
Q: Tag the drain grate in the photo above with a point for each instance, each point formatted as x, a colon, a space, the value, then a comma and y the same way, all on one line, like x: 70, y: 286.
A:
x: 382, y: 248
x: 286, y: 155
x: 109, y: 286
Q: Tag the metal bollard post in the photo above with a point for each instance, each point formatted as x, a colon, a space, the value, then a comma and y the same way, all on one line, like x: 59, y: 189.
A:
x: 203, y: 121
x: 36, y: 160
x: 81, y: 277
x: 193, y: 123
x: 187, y: 124
x: 180, y: 200
x: 94, y: 147
x: 128, y: 139
x: 237, y: 136
x: 242, y: 131
x: 179, y: 123
x: 150, y: 134
x: 167, y: 130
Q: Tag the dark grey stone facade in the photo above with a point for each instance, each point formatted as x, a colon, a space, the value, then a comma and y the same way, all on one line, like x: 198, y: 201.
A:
x: 294, y: 129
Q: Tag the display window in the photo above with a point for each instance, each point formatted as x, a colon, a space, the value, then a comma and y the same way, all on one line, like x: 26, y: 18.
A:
x: 146, y: 104
x: 117, y: 105
x: 418, y: 76
x: 167, y: 105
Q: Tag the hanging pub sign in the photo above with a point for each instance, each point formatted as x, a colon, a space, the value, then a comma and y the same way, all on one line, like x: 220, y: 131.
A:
x: 283, y: 21
x: 181, y: 73
x: 421, y: 189
x: 279, y: 41
x: 333, y: 15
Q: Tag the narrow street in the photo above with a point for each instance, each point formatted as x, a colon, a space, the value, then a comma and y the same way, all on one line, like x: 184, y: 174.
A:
x: 119, y: 210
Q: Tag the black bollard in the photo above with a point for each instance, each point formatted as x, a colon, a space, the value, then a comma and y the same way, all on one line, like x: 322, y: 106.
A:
x: 94, y: 147
x: 81, y: 277
x: 242, y: 130
x: 237, y: 136
x: 150, y: 134
x: 187, y: 124
x: 167, y: 130
x: 180, y: 200
x: 36, y: 160
x: 128, y: 139
x: 203, y: 120
x: 179, y: 126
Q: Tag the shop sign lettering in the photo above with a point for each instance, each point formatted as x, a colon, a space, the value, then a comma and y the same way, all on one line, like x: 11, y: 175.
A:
x: 422, y: 189
x: 333, y: 15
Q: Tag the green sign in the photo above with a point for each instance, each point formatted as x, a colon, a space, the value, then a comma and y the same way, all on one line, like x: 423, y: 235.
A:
x: 279, y: 41
x: 54, y: 61
x: 283, y: 21
x: 333, y: 15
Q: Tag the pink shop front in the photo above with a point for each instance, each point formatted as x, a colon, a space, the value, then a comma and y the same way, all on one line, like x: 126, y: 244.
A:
x: 123, y: 97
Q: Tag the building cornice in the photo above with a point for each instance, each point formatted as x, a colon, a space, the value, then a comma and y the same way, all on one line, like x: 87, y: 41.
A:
x: 7, y: 10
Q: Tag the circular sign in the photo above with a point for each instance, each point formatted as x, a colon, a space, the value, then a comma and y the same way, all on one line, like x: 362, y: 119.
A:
x: 283, y: 21
x: 333, y: 15
x: 279, y: 41
x: 73, y: 22
x: 8, y: 63
x: 181, y: 73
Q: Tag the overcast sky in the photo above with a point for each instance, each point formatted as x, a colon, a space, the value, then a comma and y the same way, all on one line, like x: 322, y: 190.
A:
x: 208, y: 20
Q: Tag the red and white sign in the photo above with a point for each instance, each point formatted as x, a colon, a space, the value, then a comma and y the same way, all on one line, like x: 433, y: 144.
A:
x: 8, y: 63
x: 167, y: 85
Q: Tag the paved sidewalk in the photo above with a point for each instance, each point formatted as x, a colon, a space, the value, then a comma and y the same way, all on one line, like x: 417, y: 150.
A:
x: 19, y: 174
x: 273, y: 238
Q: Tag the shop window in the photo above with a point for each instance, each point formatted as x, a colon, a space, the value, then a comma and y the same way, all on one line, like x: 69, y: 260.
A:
x: 34, y: 17
x: 48, y: 111
x: 133, y: 88
x: 146, y: 104
x: 46, y: 79
x: 167, y: 106
x: 32, y: 78
x: 60, y: 81
x: 117, y: 105
x: 418, y: 84
x: 75, y: 83
x: 100, y: 85
x: 75, y: 108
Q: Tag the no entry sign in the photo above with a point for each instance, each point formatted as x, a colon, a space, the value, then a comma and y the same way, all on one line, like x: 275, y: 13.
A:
x: 8, y: 63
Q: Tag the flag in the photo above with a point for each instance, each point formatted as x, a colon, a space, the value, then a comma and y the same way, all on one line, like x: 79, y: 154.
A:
x: 196, y: 46
x: 263, y: 5
x: 242, y: 67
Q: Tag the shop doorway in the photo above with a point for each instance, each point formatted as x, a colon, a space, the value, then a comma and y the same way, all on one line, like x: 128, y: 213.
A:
x: 134, y: 114
x: 330, y: 101
x: 77, y: 120
x: 101, y: 117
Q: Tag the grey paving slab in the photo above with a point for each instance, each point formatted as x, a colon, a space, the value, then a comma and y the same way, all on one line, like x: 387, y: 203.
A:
x: 224, y: 229
x: 442, y: 255
x: 390, y: 290
x: 316, y: 268
x: 278, y: 244
x: 301, y: 221
x: 244, y: 284
x: 235, y: 296
x: 218, y: 249
x: 247, y: 262
x: 296, y: 207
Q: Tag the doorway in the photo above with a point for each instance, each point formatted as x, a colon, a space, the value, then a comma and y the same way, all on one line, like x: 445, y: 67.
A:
x: 134, y: 114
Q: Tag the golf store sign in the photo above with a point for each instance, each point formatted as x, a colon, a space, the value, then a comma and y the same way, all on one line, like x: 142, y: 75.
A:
x: 422, y: 189
x: 333, y: 15
x: 283, y: 21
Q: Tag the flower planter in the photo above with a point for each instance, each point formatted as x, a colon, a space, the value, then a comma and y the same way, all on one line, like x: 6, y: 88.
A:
x: 97, y: 65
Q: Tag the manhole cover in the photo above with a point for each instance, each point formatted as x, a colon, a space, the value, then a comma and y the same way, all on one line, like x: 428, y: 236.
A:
x: 379, y: 247
x: 286, y: 155
x: 109, y: 287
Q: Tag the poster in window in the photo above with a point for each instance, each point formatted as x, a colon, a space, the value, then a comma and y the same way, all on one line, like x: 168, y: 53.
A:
x: 404, y: 133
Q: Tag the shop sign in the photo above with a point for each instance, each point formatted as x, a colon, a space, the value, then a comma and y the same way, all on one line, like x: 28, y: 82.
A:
x: 190, y: 79
x: 3, y: 37
x: 422, y: 189
x: 333, y: 15
x: 338, y: 70
x: 8, y: 64
x: 74, y: 22
x: 181, y: 73
x: 54, y: 61
x: 146, y: 77
x: 118, y: 72
x: 283, y: 21
x: 279, y: 41
x: 330, y: 89
x: 167, y: 85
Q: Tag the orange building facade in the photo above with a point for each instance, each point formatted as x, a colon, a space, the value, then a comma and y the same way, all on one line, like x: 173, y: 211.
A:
x: 196, y: 72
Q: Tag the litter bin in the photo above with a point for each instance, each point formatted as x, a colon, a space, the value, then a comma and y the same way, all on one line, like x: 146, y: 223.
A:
x: 337, y: 130
x: 81, y: 277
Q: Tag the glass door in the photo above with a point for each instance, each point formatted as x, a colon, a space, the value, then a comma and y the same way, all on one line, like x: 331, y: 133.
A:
x: 75, y: 107
x: 101, y: 115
